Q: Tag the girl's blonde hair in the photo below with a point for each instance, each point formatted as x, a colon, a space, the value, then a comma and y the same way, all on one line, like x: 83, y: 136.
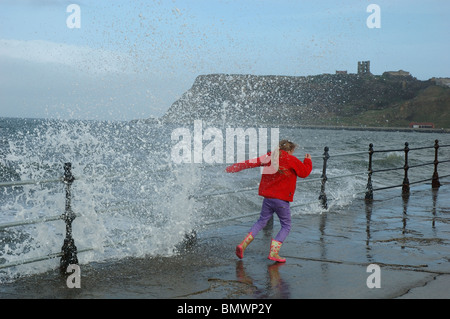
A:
x: 287, y: 145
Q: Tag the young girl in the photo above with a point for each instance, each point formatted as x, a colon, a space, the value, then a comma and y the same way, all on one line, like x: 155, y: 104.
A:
x: 278, y: 183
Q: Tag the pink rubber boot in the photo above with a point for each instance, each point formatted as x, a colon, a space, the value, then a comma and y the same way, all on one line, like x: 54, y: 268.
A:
x: 274, y: 250
x: 241, y: 247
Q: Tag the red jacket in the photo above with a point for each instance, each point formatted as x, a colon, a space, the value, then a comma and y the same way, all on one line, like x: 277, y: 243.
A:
x: 281, y: 184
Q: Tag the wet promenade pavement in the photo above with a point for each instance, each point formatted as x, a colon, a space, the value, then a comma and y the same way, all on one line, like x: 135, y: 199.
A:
x: 407, y: 242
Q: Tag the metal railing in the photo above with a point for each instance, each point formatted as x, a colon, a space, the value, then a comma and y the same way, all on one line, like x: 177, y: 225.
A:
x: 69, y: 251
x: 406, y: 183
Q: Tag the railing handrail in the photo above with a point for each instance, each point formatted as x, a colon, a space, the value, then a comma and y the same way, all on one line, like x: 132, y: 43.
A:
x: 40, y: 258
x: 347, y: 154
x: 37, y: 220
x: 411, y: 149
x: 31, y: 182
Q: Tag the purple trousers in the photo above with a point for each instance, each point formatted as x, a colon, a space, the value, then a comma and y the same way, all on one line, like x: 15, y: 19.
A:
x: 281, y: 208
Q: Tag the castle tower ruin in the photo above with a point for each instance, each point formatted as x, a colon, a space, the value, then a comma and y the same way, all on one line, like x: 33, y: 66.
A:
x: 364, y: 67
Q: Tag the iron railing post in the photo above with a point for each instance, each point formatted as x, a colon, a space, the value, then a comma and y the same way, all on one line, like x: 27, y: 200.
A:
x: 405, y: 187
x: 435, y: 180
x: 68, y: 249
x: 323, y: 196
x: 369, y: 192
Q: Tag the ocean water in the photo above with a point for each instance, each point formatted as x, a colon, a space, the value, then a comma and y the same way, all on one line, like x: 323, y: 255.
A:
x: 133, y: 200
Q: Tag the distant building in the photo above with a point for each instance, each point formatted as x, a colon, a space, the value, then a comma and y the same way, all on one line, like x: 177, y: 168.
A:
x: 341, y: 72
x: 397, y: 73
x: 421, y: 125
x: 441, y: 81
x: 364, y: 67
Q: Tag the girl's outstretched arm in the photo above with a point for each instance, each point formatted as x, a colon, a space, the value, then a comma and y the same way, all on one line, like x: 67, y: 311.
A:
x: 251, y: 163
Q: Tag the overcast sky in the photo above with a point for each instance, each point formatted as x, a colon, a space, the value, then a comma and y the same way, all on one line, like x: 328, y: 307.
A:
x: 132, y: 59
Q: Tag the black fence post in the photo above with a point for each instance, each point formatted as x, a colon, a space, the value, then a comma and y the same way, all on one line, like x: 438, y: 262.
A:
x: 69, y: 250
x: 405, y: 187
x: 369, y: 192
x: 435, y: 180
x: 323, y: 196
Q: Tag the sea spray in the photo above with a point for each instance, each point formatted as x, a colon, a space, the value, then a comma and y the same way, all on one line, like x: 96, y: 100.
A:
x: 129, y: 199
